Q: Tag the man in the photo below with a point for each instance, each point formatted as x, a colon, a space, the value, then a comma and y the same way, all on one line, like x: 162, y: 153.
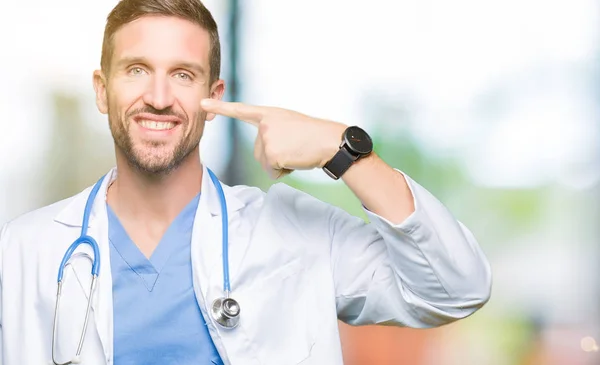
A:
x: 295, y: 265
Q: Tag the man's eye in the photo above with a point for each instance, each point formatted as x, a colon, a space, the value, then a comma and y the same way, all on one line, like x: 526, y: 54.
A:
x: 136, y: 71
x: 183, y: 76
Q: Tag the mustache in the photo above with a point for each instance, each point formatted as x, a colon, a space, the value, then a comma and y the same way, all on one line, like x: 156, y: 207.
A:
x: 151, y: 110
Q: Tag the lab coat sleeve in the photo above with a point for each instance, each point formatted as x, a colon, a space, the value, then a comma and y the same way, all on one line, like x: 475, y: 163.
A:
x: 425, y: 272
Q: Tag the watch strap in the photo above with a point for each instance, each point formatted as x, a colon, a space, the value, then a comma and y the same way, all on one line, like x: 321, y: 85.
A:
x: 339, y: 164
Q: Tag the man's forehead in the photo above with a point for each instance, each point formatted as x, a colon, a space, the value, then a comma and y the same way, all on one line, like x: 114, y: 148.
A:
x: 162, y: 37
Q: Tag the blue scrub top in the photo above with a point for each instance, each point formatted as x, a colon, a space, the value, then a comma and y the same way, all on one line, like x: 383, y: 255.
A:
x: 156, y: 316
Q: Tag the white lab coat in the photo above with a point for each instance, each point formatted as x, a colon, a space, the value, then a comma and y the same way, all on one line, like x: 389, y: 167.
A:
x: 296, y: 266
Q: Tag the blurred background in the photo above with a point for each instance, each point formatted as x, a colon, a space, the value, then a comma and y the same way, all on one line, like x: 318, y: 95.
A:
x: 493, y: 106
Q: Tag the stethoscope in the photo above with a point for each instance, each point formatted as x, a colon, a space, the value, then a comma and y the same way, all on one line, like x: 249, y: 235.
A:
x: 225, y: 310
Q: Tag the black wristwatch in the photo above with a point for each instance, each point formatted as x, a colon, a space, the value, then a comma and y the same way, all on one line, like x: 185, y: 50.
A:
x: 356, y: 144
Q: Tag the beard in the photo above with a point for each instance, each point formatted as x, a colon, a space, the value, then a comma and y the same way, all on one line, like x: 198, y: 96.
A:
x: 150, y: 158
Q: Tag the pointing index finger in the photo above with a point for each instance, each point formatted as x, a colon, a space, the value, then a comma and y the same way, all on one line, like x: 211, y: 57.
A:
x: 244, y: 112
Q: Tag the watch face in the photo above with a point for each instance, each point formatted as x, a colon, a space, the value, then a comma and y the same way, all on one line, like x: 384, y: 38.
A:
x: 358, y: 140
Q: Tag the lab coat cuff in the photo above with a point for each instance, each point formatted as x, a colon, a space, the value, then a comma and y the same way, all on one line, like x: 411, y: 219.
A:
x: 412, y: 222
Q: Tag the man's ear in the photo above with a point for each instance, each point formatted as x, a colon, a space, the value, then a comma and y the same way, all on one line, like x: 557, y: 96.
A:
x: 216, y: 92
x: 100, y: 88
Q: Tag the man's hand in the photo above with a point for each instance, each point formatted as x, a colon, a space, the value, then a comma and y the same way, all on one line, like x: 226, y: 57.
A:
x: 286, y: 140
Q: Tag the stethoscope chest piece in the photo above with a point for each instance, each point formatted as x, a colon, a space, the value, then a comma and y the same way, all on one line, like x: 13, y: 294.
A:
x: 226, y: 312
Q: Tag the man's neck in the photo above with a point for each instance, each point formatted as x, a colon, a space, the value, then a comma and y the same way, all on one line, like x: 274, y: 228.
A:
x: 157, y: 200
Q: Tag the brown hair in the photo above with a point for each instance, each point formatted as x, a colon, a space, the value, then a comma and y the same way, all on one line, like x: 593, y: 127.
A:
x: 127, y: 11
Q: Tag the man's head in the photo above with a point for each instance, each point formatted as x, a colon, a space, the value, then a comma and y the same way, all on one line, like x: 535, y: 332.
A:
x: 159, y: 59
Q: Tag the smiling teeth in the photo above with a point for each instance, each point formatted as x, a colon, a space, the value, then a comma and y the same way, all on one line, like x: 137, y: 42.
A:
x: 158, y: 126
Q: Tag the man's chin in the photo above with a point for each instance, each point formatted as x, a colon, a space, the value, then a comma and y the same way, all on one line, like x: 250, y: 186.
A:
x: 153, y: 165
x: 154, y: 169
x: 155, y: 160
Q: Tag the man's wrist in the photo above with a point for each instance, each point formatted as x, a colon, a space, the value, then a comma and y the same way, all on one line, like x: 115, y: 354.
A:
x: 355, y: 144
x: 333, y: 138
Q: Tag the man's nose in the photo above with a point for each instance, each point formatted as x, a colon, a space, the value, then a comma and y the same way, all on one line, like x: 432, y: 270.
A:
x: 159, y: 93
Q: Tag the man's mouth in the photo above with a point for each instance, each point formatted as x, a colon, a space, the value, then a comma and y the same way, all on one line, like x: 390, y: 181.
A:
x: 157, y: 126
x: 157, y: 122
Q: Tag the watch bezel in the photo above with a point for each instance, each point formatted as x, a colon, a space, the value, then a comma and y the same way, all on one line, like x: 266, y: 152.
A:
x: 352, y: 145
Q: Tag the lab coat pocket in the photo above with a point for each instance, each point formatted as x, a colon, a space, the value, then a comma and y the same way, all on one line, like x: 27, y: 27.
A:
x: 275, y: 316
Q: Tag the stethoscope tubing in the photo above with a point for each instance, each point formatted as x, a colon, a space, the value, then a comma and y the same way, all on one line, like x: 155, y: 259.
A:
x: 83, y: 237
x: 225, y: 232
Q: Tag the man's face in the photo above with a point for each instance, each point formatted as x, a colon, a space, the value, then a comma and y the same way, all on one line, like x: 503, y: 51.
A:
x: 159, y: 73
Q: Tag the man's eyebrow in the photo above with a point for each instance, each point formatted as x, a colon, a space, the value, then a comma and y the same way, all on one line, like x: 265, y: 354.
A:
x: 192, y: 66
x: 131, y: 61
x: 141, y: 60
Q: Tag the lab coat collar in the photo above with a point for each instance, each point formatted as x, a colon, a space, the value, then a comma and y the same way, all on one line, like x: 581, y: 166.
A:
x: 72, y: 214
x: 210, y: 193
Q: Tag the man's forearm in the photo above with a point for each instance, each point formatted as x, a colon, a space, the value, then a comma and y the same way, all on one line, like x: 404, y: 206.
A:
x: 381, y: 189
